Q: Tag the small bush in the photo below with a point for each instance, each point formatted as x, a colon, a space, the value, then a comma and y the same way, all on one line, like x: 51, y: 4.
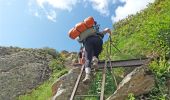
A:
x: 160, y: 68
x: 56, y: 65
x: 51, y: 51
x: 131, y: 96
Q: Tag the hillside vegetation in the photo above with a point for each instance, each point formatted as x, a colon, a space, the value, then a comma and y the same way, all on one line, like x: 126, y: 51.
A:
x: 143, y: 34
x: 146, y: 34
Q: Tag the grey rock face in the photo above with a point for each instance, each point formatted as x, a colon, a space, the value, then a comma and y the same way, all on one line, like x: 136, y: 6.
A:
x: 63, y: 87
x: 21, y: 70
x: 137, y: 82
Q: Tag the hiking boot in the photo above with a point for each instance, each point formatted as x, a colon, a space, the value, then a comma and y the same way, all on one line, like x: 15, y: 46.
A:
x: 87, y: 79
x: 95, y: 63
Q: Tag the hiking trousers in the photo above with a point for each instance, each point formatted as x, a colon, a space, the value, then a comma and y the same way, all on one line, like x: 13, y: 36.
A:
x: 93, y: 47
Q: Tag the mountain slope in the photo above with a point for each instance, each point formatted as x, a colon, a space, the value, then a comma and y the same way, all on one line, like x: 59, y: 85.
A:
x: 146, y: 34
x: 143, y: 34
x: 22, y: 70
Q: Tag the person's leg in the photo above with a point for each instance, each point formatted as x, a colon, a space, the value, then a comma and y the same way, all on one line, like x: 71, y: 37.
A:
x: 88, y: 55
x: 88, y: 59
x: 97, y: 50
x: 98, y: 47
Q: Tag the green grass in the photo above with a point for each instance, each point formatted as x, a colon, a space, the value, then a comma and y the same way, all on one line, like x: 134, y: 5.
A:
x: 145, y: 34
x: 95, y: 87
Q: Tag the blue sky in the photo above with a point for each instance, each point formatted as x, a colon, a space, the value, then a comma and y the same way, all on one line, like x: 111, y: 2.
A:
x: 45, y: 23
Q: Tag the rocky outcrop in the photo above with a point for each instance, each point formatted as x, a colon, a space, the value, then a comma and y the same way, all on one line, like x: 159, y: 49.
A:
x: 63, y: 87
x: 71, y: 58
x: 21, y: 70
x: 137, y: 82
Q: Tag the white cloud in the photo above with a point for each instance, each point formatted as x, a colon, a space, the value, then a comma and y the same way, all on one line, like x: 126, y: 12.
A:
x: 130, y: 7
x: 50, y: 7
x: 51, y: 15
x: 58, y: 4
x: 102, y: 6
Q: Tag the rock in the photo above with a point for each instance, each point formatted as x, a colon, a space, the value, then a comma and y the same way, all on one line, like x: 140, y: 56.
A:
x: 55, y: 87
x: 63, y: 87
x: 71, y: 59
x: 137, y: 82
x: 21, y: 70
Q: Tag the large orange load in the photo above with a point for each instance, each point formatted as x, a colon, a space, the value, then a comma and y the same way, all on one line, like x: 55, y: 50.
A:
x: 81, y: 27
x: 89, y: 22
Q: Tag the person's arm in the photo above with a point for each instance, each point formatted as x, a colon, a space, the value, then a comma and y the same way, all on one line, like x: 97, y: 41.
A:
x: 106, y: 30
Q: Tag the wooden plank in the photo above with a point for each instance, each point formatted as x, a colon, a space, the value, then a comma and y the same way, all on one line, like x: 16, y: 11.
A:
x: 87, y: 96
x: 77, y: 83
x: 126, y: 63
x: 123, y: 63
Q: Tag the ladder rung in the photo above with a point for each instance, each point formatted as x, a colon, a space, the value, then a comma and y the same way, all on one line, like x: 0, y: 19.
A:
x: 87, y: 95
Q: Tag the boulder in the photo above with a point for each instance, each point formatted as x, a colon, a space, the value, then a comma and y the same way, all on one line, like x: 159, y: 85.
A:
x: 63, y: 87
x: 22, y: 70
x: 138, y: 82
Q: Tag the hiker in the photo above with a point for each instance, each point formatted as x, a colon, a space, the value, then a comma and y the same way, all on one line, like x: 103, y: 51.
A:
x: 88, y: 34
x: 93, y: 47
x: 81, y: 55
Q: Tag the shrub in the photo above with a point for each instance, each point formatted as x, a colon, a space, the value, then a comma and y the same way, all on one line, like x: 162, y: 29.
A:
x: 56, y: 65
x: 51, y: 51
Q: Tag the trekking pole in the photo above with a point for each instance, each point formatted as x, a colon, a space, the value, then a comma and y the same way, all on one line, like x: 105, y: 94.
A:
x: 114, y: 45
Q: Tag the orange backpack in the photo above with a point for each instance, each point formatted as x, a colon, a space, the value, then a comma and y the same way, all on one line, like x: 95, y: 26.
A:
x: 81, y: 27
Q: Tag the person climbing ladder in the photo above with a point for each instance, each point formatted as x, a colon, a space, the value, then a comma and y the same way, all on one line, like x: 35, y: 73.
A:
x: 93, y: 47
x: 88, y: 34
